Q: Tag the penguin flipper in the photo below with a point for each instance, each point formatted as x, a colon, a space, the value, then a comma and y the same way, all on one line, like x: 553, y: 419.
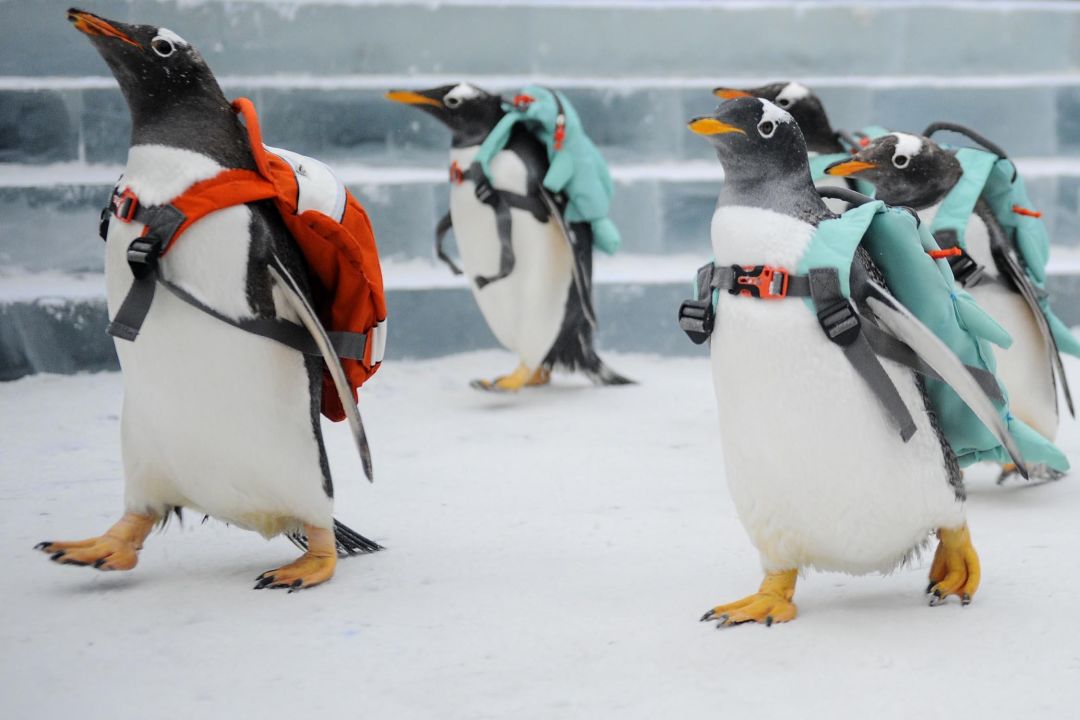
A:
x: 905, y: 326
x: 293, y: 295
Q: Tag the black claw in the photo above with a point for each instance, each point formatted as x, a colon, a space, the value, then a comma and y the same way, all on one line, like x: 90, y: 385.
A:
x: 43, y: 545
x: 965, y: 599
x: 930, y: 587
x: 264, y: 582
x: 297, y: 583
x: 706, y: 617
x: 721, y: 622
x: 58, y: 555
x: 99, y: 563
x: 768, y: 621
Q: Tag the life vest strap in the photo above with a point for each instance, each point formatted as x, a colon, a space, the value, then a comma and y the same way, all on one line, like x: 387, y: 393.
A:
x: 861, y: 339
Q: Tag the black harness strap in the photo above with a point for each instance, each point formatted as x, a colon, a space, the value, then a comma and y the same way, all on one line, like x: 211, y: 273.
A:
x: 444, y: 225
x: 841, y: 323
x: 143, y: 257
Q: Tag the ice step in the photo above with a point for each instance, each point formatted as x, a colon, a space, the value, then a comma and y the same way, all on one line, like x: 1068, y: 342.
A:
x: 661, y: 209
x: 66, y: 334
x: 658, y: 38
x: 632, y: 119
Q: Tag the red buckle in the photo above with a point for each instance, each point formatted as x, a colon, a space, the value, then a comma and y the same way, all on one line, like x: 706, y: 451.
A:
x: 523, y: 101
x: 560, y: 132
x: 761, y: 281
x: 1026, y: 212
x: 456, y: 176
x: 127, y: 204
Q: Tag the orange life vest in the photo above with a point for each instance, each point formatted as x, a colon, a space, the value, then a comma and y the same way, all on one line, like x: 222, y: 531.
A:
x: 342, y: 258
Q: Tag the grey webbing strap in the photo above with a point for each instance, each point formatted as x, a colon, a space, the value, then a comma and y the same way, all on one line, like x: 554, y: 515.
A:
x: 443, y: 227
x: 129, y: 318
x: 490, y: 196
x: 887, y: 346
x: 841, y: 324
x: 163, y: 222
x: 347, y: 345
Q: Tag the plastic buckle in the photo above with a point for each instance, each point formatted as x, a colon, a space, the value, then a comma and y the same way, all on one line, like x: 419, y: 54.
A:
x: 142, y: 255
x: 966, y: 271
x: 696, y: 318
x: 456, y: 175
x: 840, y: 322
x: 127, y: 204
x: 761, y: 281
x: 523, y: 101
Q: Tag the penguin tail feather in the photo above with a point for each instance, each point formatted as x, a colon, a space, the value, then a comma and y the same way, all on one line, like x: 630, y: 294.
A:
x: 601, y: 374
x: 349, y: 542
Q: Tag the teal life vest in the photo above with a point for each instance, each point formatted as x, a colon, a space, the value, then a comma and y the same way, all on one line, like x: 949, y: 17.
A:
x: 901, y: 248
x: 576, y: 167
x: 995, y: 180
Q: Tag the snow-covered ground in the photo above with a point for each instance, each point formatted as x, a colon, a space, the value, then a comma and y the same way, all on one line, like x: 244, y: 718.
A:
x: 548, y: 556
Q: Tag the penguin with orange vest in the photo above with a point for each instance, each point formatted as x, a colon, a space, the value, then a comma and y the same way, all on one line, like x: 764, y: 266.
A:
x: 215, y: 419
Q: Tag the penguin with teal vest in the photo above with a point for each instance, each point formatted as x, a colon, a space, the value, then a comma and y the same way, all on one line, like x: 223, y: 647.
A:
x: 824, y: 144
x: 977, y: 208
x: 529, y: 200
x: 853, y: 378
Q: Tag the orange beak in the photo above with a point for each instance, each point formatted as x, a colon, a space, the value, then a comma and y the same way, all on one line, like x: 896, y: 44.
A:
x: 92, y: 25
x: 712, y: 126
x: 411, y: 98
x: 729, y: 93
x: 848, y: 167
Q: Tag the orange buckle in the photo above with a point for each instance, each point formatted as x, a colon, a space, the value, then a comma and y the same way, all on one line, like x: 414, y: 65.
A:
x: 945, y: 253
x: 560, y: 132
x: 127, y: 204
x: 761, y: 281
x: 456, y: 176
x: 523, y: 101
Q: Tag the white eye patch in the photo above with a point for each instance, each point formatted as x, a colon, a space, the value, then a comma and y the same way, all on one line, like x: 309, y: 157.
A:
x: 167, y: 34
x: 792, y: 93
x: 462, y: 92
x: 772, y: 113
x: 907, y: 147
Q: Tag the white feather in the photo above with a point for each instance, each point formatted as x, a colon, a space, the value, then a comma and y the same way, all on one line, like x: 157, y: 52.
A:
x: 214, y: 418
x: 819, y: 475
x: 167, y: 34
x: 525, y: 310
x: 774, y: 113
x: 793, y: 92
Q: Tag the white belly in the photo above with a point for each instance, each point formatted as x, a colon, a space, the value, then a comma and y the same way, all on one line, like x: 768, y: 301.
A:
x: 1025, y: 366
x: 214, y: 418
x: 525, y: 310
x: 818, y: 474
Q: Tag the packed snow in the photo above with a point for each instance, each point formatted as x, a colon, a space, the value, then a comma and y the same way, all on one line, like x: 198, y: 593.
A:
x: 548, y: 556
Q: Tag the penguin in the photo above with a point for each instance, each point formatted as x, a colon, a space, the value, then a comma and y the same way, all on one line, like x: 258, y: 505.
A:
x: 915, y: 171
x: 809, y: 113
x: 542, y: 311
x: 818, y: 475
x: 214, y: 419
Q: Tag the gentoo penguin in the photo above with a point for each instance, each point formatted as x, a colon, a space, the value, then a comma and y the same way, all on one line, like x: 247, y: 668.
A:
x: 214, y: 419
x: 542, y: 311
x: 916, y: 172
x: 819, y: 477
x: 809, y: 112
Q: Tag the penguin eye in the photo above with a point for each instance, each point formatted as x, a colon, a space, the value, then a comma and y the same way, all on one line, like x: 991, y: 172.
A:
x: 766, y: 129
x: 901, y: 161
x: 783, y: 102
x: 451, y: 101
x: 162, y: 47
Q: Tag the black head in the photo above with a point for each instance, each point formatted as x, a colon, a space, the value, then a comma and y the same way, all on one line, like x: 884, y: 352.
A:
x: 468, y: 111
x: 764, y: 158
x: 172, y: 94
x: 904, y: 169
x: 804, y: 106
